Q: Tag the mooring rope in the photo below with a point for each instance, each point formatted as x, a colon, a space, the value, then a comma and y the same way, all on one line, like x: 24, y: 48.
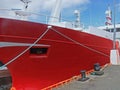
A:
x: 15, y: 58
x: 65, y: 36
x: 76, y: 42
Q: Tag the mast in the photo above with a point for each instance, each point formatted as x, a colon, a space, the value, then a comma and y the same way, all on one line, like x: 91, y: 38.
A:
x: 55, y: 15
x: 114, y: 33
x: 77, y: 21
x: 108, y: 16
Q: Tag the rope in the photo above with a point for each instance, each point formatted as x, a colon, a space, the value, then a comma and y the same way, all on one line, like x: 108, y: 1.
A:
x: 50, y: 27
x: 15, y: 58
x: 80, y: 43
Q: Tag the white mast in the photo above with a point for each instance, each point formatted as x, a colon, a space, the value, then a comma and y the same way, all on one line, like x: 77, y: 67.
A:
x: 55, y: 15
x: 108, y: 16
x: 77, y: 21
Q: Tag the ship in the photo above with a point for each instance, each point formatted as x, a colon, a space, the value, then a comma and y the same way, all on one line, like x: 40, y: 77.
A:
x: 40, y: 55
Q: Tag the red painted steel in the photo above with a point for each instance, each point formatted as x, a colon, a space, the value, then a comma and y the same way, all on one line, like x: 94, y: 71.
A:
x: 63, y: 60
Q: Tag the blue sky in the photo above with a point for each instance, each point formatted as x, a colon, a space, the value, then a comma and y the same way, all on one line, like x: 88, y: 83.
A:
x: 96, y: 11
x: 92, y: 11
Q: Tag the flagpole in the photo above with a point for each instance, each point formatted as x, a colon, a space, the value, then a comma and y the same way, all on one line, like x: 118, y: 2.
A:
x: 114, y: 33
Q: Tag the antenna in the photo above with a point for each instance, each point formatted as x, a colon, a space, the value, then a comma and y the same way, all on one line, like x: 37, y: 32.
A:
x: 26, y: 2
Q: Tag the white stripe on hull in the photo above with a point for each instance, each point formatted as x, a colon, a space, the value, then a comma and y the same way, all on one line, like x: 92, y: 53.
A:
x: 10, y: 44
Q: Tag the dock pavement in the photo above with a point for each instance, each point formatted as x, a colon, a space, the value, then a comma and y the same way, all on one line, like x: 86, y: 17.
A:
x: 110, y: 80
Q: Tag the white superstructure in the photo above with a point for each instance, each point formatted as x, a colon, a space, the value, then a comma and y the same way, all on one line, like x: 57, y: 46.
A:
x: 110, y: 29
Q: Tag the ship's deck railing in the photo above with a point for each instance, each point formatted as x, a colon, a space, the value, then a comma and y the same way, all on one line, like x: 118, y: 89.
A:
x: 36, y: 17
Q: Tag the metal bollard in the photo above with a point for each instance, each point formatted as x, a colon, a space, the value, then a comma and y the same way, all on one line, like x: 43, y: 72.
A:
x: 97, y: 67
x: 83, y: 76
x: 97, y: 70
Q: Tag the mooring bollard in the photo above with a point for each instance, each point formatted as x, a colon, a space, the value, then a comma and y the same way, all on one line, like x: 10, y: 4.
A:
x: 83, y: 76
x: 97, y: 70
x: 97, y: 67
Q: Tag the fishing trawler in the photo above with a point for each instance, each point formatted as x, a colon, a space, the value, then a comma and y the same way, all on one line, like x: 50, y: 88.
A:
x: 39, y: 55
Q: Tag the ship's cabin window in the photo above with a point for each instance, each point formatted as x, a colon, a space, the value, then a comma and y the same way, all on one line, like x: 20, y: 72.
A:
x: 38, y: 51
x: 112, y: 30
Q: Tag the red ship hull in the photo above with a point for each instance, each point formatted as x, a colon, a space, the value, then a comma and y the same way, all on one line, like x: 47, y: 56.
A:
x: 66, y: 53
